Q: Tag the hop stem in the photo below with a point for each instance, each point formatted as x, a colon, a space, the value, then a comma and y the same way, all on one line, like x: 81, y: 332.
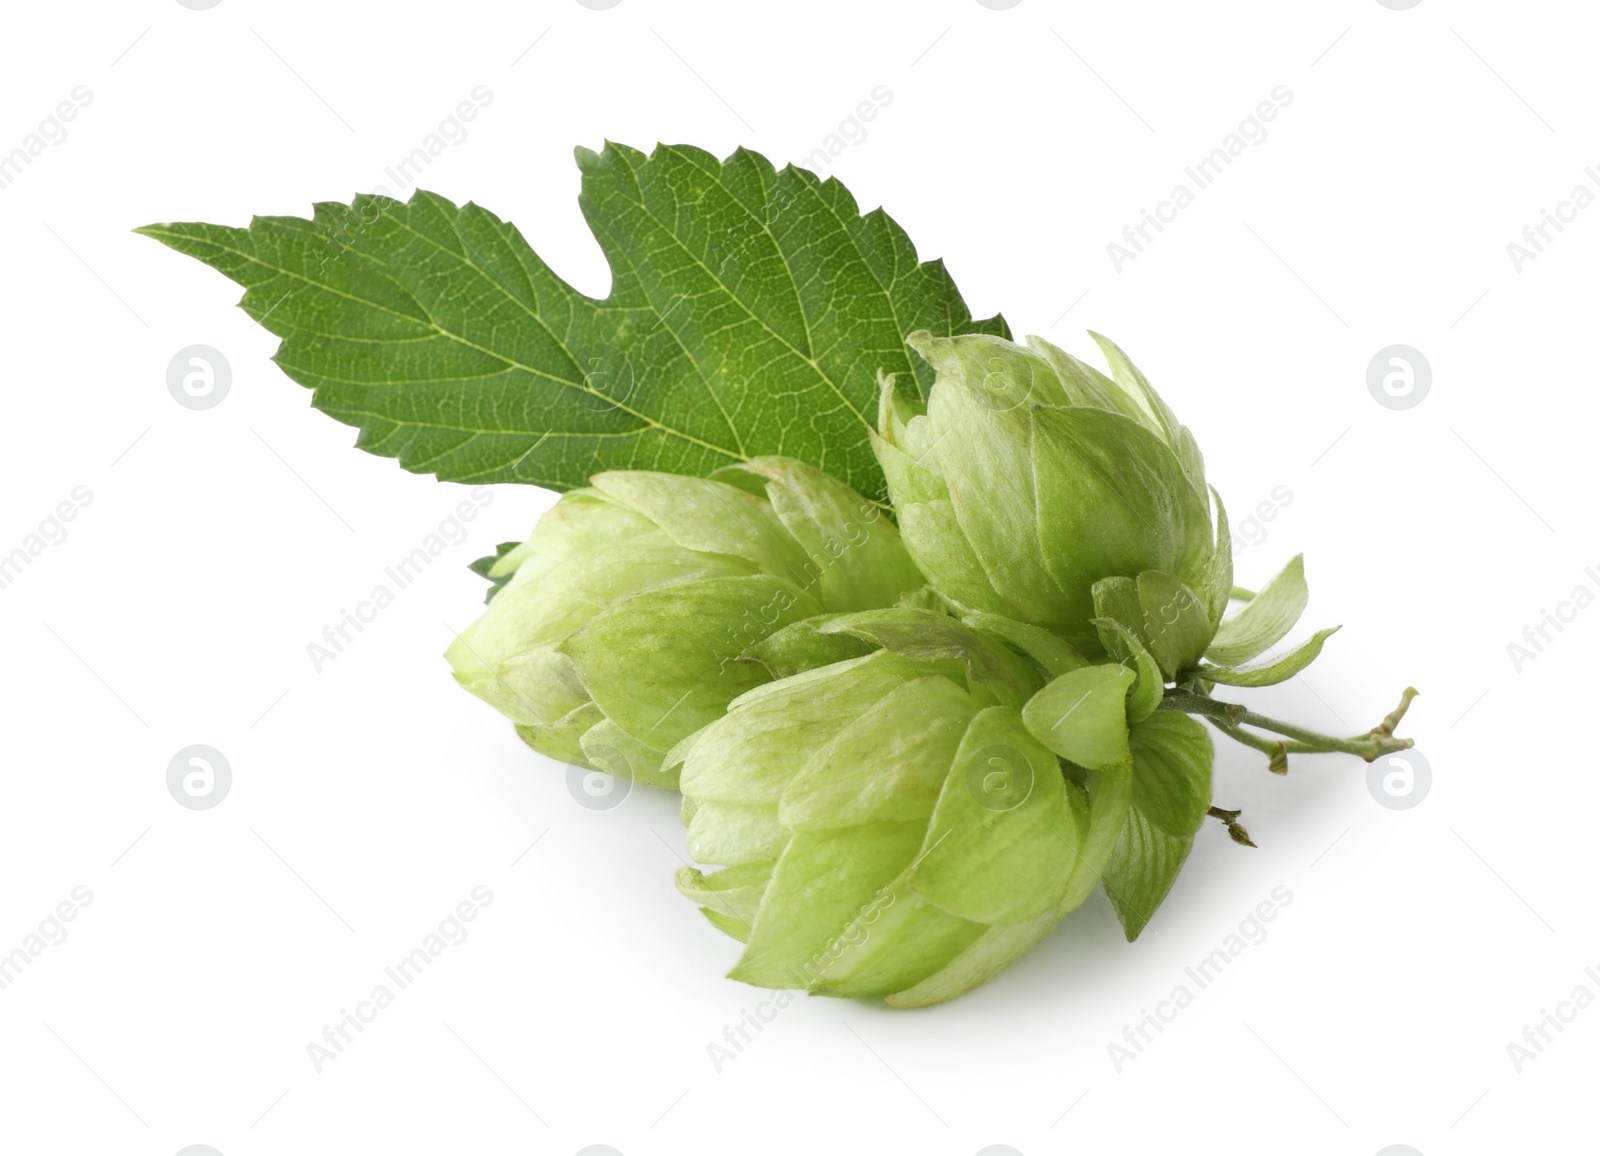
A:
x: 1230, y: 820
x: 1231, y: 718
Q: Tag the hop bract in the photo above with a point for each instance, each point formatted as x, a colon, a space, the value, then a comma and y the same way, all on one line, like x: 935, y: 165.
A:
x: 625, y: 619
x: 1032, y: 476
x: 902, y: 824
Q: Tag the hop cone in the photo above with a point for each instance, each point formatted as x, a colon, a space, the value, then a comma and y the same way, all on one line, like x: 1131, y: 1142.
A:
x: 623, y: 620
x: 905, y: 823
x: 1032, y: 477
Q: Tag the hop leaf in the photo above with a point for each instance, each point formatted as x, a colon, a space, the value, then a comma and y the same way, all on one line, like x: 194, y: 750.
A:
x: 750, y: 309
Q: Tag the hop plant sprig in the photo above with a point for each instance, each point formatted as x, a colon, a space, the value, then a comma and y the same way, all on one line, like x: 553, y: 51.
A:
x: 940, y: 734
x: 911, y: 734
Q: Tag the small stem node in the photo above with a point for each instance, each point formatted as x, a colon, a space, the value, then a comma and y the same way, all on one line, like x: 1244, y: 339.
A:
x: 1230, y: 820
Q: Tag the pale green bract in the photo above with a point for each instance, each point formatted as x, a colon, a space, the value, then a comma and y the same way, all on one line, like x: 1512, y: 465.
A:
x: 1035, y: 487
x: 906, y: 823
x: 627, y: 615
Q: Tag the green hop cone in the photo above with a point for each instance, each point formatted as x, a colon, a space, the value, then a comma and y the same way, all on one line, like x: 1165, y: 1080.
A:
x: 903, y: 824
x: 1032, y: 476
x: 623, y: 624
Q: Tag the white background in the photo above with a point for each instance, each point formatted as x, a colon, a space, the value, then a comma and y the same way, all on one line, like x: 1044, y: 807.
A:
x: 370, y: 798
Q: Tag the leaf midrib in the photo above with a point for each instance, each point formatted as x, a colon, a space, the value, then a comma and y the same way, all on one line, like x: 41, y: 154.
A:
x: 512, y: 362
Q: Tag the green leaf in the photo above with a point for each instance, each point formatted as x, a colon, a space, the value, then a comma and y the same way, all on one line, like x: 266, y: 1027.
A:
x: 750, y: 311
x: 1265, y: 619
x: 1171, y: 791
x: 1083, y: 715
x: 1268, y: 673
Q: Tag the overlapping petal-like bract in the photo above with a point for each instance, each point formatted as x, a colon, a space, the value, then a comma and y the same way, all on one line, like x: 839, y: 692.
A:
x: 906, y: 823
x: 1032, y: 476
x: 624, y: 619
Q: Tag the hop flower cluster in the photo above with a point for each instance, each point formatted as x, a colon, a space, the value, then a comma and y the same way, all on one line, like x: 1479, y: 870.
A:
x: 911, y: 735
